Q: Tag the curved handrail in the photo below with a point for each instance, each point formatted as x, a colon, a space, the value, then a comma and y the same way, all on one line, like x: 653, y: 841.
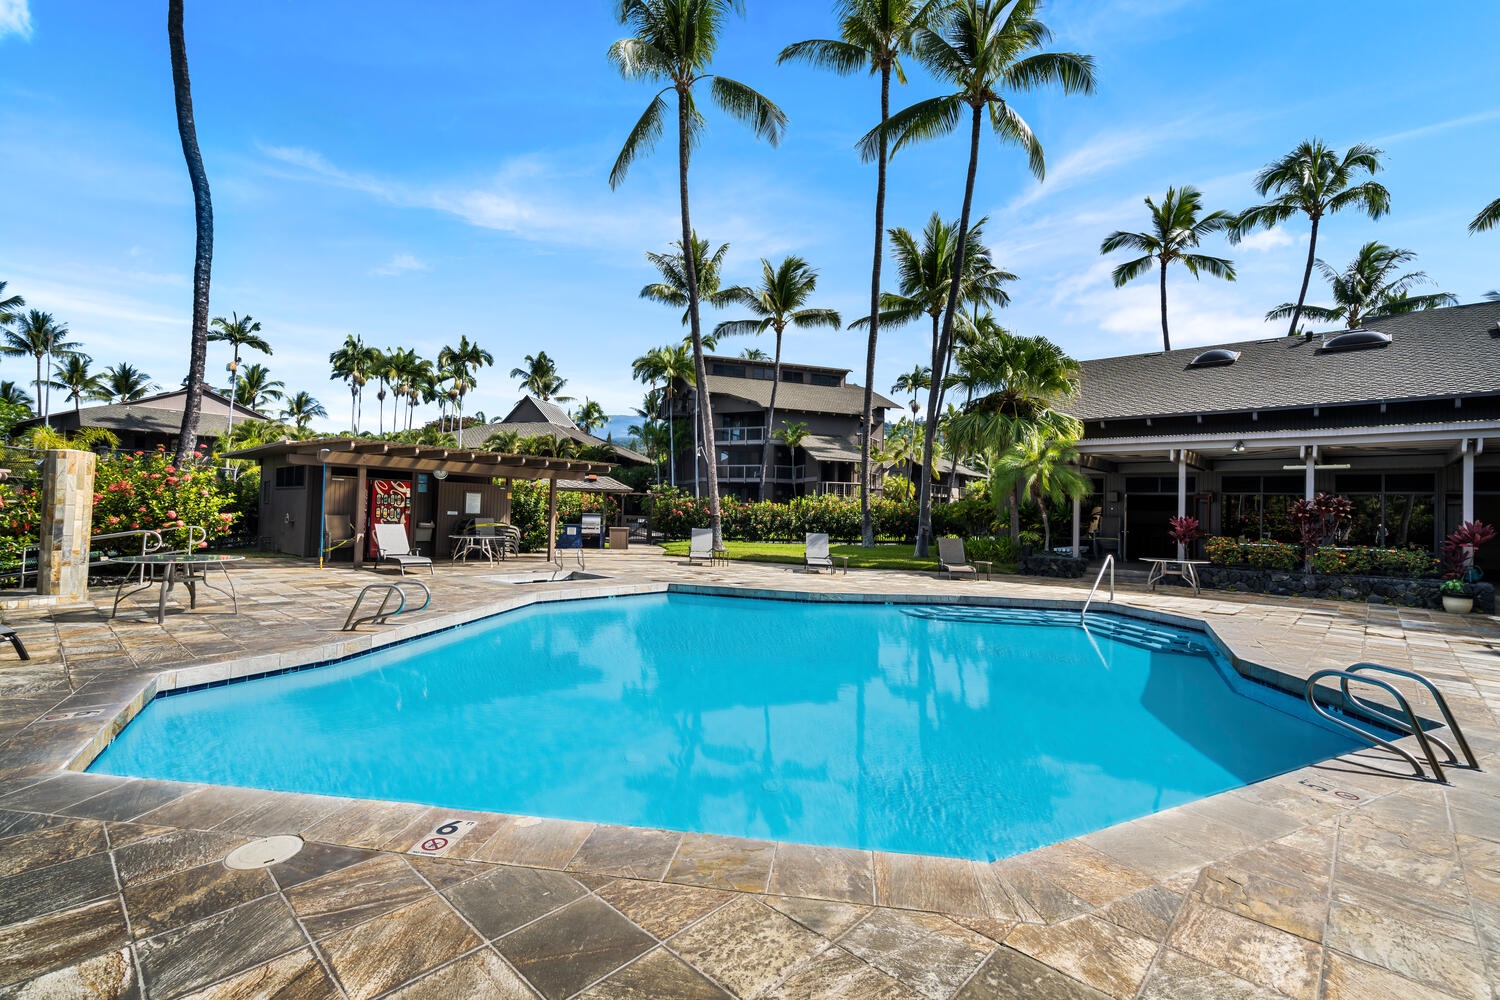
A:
x: 381, y: 615
x: 1109, y: 564
x: 1310, y: 691
x: 1437, y: 697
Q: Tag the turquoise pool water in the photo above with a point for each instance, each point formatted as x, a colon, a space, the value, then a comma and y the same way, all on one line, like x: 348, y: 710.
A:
x: 964, y: 732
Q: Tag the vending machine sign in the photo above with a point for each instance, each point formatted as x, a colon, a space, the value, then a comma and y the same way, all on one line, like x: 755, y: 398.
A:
x: 390, y: 503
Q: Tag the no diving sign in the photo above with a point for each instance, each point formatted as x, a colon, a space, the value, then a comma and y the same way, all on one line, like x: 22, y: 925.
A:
x: 440, y: 839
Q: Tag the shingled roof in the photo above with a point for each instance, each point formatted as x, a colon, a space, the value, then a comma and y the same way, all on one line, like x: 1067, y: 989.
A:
x: 845, y: 400
x: 1441, y: 353
x: 532, y: 417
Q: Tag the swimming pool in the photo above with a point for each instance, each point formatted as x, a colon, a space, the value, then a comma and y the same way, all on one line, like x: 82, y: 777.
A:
x: 967, y: 732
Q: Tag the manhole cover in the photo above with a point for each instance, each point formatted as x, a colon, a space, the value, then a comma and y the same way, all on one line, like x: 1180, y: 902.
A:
x: 263, y: 853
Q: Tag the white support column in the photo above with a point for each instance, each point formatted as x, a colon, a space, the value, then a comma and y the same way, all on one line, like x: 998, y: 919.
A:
x: 1181, y: 496
x: 1468, y: 482
x: 1077, y: 532
x: 1310, y: 454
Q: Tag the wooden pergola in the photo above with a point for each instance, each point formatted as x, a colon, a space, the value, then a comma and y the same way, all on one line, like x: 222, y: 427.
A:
x: 366, y: 456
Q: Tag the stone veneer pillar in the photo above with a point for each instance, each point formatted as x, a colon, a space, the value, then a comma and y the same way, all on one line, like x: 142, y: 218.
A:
x: 67, y: 523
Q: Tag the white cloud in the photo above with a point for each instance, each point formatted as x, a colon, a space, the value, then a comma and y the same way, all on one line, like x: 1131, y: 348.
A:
x: 15, y: 18
x: 401, y: 263
x: 1443, y: 126
x: 1267, y: 239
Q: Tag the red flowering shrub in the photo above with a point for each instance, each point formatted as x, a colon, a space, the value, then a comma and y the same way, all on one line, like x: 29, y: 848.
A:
x: 145, y: 490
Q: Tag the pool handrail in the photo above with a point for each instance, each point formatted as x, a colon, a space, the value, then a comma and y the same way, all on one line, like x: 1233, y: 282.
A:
x: 1437, y: 697
x: 381, y: 615
x: 1411, y: 724
x: 1109, y: 564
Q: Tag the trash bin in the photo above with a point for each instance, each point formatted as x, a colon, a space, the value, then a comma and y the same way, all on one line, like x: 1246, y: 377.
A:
x: 619, y: 539
x: 572, y: 537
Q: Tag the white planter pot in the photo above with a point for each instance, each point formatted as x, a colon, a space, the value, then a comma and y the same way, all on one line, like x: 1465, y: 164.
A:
x: 1457, y: 605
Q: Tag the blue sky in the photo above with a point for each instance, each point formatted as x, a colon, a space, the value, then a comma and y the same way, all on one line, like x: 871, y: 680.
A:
x: 411, y: 177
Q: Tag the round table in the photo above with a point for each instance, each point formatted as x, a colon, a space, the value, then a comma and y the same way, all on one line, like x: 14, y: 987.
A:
x: 191, y: 567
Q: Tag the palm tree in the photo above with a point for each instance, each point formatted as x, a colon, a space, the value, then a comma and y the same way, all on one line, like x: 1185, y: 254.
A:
x: 504, y: 442
x: 421, y: 387
x: 383, y: 371
x: 1176, y: 228
x: 985, y: 48
x: 354, y: 363
x: 792, y: 435
x: 779, y: 302
x: 37, y: 335
x: 1313, y: 180
x: 669, y: 366
x: 203, y: 215
x: 671, y: 290
x: 754, y: 354
x: 1369, y: 287
x: 912, y: 384
x: 406, y: 375
x: 464, y: 362
x: 126, y: 383
x: 13, y: 395
x: 590, y: 416
x: 539, y: 377
x: 873, y: 35
x: 256, y: 387
x: 10, y: 306
x: 237, y: 333
x: 674, y: 43
x: 301, y: 409
x: 1488, y: 218
x: 73, y: 374
x: 1043, y: 468
x: 1023, y: 381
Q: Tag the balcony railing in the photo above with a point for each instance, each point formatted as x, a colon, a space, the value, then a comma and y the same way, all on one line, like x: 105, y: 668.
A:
x: 752, y: 472
x: 839, y: 489
x: 733, y: 435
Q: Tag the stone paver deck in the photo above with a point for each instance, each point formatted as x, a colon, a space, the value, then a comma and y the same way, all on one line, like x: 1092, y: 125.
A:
x: 1336, y: 882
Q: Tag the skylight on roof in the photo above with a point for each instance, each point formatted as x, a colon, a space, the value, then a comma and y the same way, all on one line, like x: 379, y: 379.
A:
x: 1357, y: 339
x: 1216, y: 356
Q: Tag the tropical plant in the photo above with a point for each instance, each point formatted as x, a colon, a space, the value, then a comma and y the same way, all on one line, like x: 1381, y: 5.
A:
x: 669, y: 366
x: 791, y: 435
x: 674, y: 43
x: 126, y: 383
x: 873, y: 36
x: 986, y: 48
x: 589, y: 416
x: 301, y: 409
x: 10, y: 306
x: 237, y: 333
x: 1042, y: 467
x: 1488, y: 218
x: 354, y: 363
x: 912, y: 384
x: 1315, y: 181
x: 539, y: 377
x: 1177, y: 226
x: 463, y: 363
x: 780, y: 301
x: 13, y: 395
x: 1326, y: 516
x: 504, y: 442
x: 256, y: 387
x: 1369, y: 287
x: 671, y: 290
x: 72, y: 373
x: 203, y: 216
x: 754, y: 354
x: 1459, y: 549
x: 37, y: 335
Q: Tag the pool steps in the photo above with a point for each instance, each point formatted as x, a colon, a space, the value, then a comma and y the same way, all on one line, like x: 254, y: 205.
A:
x: 1135, y: 633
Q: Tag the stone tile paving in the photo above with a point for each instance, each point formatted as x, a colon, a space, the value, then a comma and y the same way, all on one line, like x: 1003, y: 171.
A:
x: 1336, y: 882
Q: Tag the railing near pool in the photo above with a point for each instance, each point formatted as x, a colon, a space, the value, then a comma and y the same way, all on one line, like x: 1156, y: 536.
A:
x: 384, y: 612
x: 1109, y: 564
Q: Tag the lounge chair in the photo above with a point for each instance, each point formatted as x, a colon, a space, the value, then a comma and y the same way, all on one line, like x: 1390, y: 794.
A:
x: 817, y: 555
x: 701, y: 546
x: 392, y: 544
x: 951, y: 559
x: 8, y: 634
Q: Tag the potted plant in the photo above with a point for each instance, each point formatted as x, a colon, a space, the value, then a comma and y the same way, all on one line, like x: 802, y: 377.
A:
x: 1458, y: 596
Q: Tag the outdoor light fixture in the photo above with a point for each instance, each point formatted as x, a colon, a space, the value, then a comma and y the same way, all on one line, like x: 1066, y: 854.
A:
x: 1332, y: 466
x: 440, y: 474
x: 1239, y: 446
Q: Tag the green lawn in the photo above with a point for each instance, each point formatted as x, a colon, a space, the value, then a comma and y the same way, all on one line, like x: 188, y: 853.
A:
x: 880, y: 557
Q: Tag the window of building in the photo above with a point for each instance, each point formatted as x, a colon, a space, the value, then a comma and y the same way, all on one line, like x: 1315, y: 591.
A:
x: 1258, y: 507
x: 729, y: 371
x: 290, y: 477
x: 819, y: 379
x: 791, y: 376
x: 1158, y: 484
x: 1390, y: 509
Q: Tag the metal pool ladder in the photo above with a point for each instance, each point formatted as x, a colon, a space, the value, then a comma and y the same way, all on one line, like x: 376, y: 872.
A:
x: 1404, y: 720
x: 385, y: 612
x: 1109, y: 564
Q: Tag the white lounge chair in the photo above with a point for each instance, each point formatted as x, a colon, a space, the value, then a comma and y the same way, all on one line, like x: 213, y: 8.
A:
x: 951, y: 559
x: 817, y: 556
x: 393, y: 546
x: 701, y: 546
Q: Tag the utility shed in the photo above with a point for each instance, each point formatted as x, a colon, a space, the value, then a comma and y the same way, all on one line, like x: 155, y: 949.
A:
x: 327, y: 493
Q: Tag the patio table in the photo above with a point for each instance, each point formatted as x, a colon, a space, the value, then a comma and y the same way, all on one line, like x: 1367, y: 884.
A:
x: 1163, y: 568
x: 191, y: 567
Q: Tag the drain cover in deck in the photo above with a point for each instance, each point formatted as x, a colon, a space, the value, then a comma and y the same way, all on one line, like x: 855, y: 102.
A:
x: 263, y: 853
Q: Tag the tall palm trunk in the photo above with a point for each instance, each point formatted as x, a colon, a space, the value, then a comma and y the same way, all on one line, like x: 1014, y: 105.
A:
x: 671, y: 436
x: 934, y: 394
x: 353, y: 410
x: 705, y: 415
x: 1166, y: 339
x: 46, y: 419
x: 866, y: 481
x: 203, y: 212
x: 1312, y: 251
x: 770, y: 446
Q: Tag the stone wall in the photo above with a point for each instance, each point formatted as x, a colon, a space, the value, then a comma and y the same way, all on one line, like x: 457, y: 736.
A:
x: 67, y: 524
x: 1338, y: 586
x: 1042, y: 564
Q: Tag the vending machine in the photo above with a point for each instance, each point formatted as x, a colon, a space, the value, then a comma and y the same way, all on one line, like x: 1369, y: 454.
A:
x: 389, y: 503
